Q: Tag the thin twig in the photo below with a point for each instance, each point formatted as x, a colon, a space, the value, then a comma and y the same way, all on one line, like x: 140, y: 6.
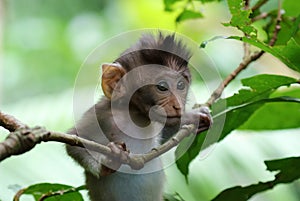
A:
x: 247, y: 4
x: 19, y: 194
x: 49, y: 194
x: 174, y: 141
x: 247, y: 51
x: 243, y: 65
x: 260, y: 17
x: 277, y: 25
x: 258, y: 5
x: 60, y: 192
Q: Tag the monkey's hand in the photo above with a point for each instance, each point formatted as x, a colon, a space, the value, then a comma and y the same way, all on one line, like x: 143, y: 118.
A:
x: 112, y: 164
x: 200, y: 117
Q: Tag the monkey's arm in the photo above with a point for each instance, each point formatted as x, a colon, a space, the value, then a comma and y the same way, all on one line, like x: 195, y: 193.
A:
x: 88, y: 127
x: 92, y: 126
x: 89, y: 160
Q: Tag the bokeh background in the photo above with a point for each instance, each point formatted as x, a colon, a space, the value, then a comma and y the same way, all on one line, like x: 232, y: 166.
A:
x: 42, y: 47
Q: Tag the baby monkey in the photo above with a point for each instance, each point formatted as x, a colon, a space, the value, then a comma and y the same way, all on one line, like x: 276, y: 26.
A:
x: 144, y: 105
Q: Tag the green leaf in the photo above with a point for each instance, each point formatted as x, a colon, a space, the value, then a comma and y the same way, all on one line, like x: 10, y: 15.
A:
x: 232, y: 112
x: 233, y: 118
x: 172, y: 197
x: 187, y: 15
x: 240, y: 17
x: 288, y: 54
x: 257, y: 87
x: 291, y: 8
x: 185, y: 159
x: 38, y: 190
x: 169, y: 4
x: 289, y: 172
x: 289, y: 29
x: 271, y: 115
x: 208, y: 1
x: 238, y: 115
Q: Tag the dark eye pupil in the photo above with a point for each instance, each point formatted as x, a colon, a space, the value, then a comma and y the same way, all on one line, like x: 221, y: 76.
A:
x: 180, y: 85
x: 162, y: 86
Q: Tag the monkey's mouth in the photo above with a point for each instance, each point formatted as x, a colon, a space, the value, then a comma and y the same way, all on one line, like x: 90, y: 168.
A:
x: 173, y: 120
x: 165, y: 118
x: 165, y: 115
x: 174, y: 117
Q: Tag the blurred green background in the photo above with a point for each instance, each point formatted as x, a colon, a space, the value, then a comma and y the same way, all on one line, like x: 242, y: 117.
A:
x: 44, y: 43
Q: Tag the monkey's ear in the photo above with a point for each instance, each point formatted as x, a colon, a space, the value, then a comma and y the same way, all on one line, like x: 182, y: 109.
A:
x: 111, y: 74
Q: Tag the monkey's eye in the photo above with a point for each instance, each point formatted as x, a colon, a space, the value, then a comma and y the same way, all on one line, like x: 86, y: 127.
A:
x: 162, y: 86
x: 181, y: 85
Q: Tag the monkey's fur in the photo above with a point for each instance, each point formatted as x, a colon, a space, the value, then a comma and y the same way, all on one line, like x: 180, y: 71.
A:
x: 98, y: 123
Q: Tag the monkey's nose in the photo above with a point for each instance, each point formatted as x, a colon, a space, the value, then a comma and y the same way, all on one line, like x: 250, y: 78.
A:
x: 177, y: 109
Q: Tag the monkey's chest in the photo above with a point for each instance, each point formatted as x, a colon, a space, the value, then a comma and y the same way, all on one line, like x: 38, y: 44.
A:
x: 127, y: 187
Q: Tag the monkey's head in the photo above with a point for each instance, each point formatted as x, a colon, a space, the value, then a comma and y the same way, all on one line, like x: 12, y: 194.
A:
x: 153, y: 76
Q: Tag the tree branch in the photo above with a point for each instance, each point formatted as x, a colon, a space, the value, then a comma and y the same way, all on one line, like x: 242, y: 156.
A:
x: 61, y: 192
x: 185, y: 131
x: 247, y: 59
x: 277, y: 25
x: 243, y: 65
x: 49, y: 194
x: 259, y: 4
x: 259, y: 17
x: 24, y: 139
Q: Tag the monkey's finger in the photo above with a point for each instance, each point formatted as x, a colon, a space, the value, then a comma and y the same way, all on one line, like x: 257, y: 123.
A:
x: 201, y: 129
x: 204, y: 110
x: 124, y: 156
x: 122, y: 145
x: 205, y: 119
x: 114, y: 148
x: 105, y: 171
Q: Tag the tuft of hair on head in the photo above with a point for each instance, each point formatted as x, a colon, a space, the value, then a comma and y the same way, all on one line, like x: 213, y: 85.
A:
x: 158, y: 49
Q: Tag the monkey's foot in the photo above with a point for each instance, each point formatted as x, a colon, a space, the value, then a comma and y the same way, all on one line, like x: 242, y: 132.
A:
x: 112, y: 164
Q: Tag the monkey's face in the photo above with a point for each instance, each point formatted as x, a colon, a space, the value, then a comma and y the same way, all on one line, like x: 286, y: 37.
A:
x: 156, y: 92
x: 165, y: 99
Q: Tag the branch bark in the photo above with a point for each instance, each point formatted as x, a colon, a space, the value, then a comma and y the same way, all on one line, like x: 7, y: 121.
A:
x: 10, y: 123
